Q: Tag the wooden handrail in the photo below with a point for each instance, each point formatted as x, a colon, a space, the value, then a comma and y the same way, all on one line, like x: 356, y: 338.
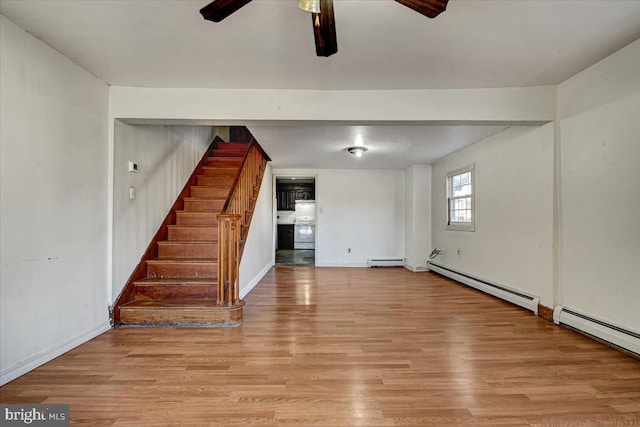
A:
x: 233, y: 223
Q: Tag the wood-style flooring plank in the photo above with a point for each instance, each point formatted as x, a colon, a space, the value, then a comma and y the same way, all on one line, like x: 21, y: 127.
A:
x: 346, y: 347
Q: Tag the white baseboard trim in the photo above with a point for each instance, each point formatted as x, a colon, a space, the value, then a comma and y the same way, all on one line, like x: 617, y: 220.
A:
x: 244, y: 291
x: 39, y: 359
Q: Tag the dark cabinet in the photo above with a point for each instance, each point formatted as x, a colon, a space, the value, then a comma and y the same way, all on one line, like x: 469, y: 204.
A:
x: 285, y: 236
x: 286, y: 200
x: 287, y: 194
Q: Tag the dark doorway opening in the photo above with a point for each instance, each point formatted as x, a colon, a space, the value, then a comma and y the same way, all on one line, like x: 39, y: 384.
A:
x: 296, y: 220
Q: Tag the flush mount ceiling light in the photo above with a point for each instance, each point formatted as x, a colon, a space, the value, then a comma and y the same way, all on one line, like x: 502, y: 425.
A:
x: 357, y: 151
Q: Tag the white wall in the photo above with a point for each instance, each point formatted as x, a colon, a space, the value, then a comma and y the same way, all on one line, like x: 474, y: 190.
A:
x: 258, y: 256
x: 417, y: 216
x: 599, y: 131
x: 358, y: 209
x: 53, y: 199
x: 166, y: 157
x: 513, y: 237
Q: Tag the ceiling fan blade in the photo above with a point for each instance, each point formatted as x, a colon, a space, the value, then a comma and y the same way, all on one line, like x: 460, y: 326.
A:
x: 217, y: 10
x: 430, y: 8
x: 324, y: 29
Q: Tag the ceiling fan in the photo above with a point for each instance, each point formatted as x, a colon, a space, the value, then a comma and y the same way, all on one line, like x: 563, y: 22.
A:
x: 324, y: 26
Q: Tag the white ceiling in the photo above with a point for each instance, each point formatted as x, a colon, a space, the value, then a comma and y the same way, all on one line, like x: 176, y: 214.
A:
x: 394, y: 147
x: 381, y: 45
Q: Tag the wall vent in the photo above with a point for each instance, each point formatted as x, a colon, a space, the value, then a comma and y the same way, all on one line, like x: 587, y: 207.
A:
x: 620, y: 337
x: 515, y: 297
x: 385, y: 262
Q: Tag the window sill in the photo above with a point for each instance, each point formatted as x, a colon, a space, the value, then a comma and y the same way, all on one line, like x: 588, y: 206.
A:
x: 461, y: 227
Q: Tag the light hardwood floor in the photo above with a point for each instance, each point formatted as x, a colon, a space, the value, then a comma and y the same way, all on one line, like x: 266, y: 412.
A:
x: 342, y: 347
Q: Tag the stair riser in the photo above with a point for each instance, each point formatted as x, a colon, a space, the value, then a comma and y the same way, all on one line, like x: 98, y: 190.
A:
x: 215, y: 180
x: 228, y: 153
x: 196, y: 218
x: 195, y: 233
x: 224, y: 161
x: 180, y: 317
x: 233, y: 146
x: 170, y: 270
x: 203, y: 205
x: 176, y: 292
x: 216, y: 170
x: 188, y: 250
x: 209, y: 191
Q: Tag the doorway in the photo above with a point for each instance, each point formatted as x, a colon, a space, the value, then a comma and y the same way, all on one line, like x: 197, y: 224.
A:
x: 295, y: 220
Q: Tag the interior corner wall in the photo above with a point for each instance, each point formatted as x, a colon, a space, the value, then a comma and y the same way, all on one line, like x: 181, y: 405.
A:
x: 512, y: 244
x: 166, y: 157
x: 53, y: 201
x: 358, y: 209
x: 258, y: 256
x: 417, y: 216
x: 599, y: 132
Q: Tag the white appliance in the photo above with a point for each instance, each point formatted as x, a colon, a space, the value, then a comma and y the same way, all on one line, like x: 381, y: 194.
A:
x: 304, y: 232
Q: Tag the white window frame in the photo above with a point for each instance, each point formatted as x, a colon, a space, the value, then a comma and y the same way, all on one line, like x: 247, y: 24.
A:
x: 461, y: 226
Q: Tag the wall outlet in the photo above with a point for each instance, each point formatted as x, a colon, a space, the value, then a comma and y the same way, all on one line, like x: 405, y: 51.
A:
x: 348, y: 250
x: 459, y: 252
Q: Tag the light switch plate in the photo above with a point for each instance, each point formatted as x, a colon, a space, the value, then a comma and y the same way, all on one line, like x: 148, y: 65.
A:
x: 132, y: 167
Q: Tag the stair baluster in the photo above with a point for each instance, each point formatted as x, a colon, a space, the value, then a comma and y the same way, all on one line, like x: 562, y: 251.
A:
x: 233, y: 224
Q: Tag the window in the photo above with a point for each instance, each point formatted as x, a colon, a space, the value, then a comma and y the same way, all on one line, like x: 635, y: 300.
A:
x: 460, y: 203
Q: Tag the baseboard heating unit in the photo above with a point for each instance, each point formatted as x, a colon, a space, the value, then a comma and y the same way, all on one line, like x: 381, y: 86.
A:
x: 385, y: 262
x: 615, y: 335
x: 515, y: 297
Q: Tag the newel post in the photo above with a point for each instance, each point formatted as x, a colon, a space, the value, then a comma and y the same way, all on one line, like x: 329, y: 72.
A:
x: 229, y: 226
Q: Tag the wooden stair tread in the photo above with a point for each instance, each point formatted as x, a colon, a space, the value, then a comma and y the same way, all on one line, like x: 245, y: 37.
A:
x: 231, y: 169
x: 155, y: 281
x: 222, y: 180
x: 187, y: 242
x: 240, y: 150
x: 190, y: 226
x: 228, y: 152
x: 226, y: 177
x: 220, y: 175
x: 200, y: 304
x: 226, y: 158
x: 220, y: 199
x: 233, y: 144
x: 182, y: 260
x: 197, y: 218
x: 183, y: 212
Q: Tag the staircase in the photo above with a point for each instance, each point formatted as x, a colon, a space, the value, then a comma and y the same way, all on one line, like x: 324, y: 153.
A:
x: 177, y: 281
